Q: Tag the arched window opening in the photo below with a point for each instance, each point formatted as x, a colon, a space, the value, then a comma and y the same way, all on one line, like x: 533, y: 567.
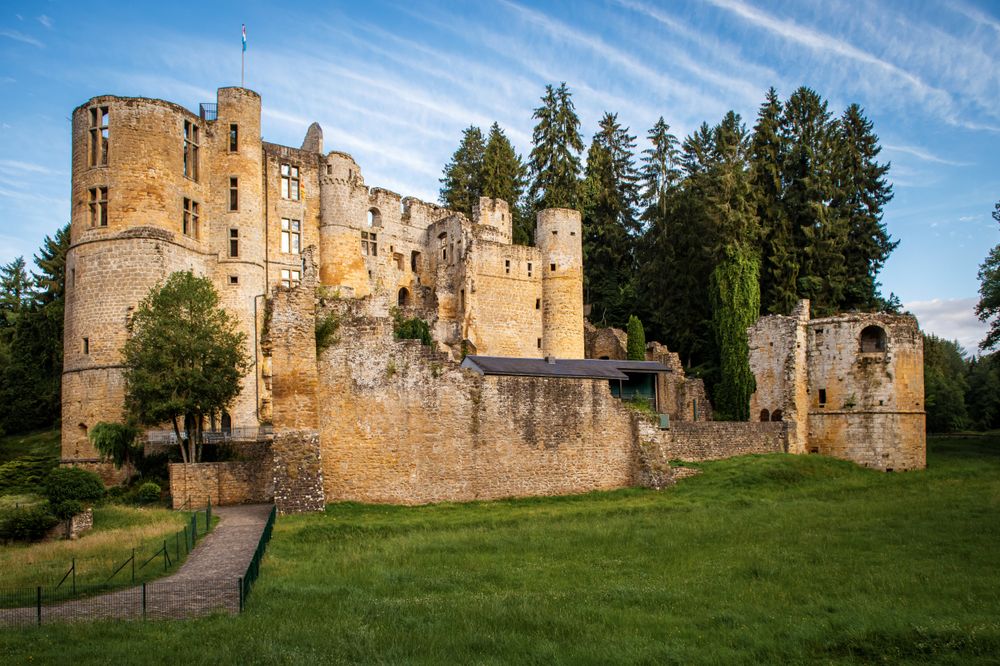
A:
x: 374, y: 218
x: 776, y: 415
x: 765, y: 415
x: 227, y: 423
x: 404, y: 297
x: 873, y: 339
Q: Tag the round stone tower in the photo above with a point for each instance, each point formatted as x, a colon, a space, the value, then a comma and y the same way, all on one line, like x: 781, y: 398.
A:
x: 559, y: 237
x: 151, y: 194
x: 343, y: 198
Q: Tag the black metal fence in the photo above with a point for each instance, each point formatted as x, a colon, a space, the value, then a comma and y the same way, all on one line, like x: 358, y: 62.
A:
x: 68, y: 601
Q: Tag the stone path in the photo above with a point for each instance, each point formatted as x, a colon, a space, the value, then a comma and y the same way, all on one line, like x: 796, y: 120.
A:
x: 207, y: 582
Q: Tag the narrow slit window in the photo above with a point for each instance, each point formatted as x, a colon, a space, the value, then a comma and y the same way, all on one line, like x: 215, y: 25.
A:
x: 552, y: 267
x: 822, y: 397
x: 538, y: 304
x: 234, y: 193
x: 234, y: 137
x: 506, y: 265
x: 86, y: 345
x: 529, y: 269
x: 234, y: 242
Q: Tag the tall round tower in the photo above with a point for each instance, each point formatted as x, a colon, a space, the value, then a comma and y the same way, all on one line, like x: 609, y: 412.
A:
x: 151, y: 188
x: 343, y: 198
x: 559, y: 237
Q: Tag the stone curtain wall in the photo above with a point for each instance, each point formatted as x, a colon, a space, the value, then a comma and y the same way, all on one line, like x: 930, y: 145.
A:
x: 697, y: 441
x: 245, y: 482
x: 401, y: 424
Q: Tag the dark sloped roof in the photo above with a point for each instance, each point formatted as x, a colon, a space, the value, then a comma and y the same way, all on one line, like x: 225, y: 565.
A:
x: 569, y: 368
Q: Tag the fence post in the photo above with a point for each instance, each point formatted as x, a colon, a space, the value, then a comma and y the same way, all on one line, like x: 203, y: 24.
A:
x: 74, y: 575
x: 38, y: 603
x: 133, y: 565
x: 166, y: 558
x: 143, y: 601
x: 240, y: 583
x: 208, y: 514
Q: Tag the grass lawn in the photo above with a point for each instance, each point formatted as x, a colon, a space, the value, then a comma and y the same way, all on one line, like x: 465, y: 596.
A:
x: 44, y: 443
x: 117, y: 530
x: 762, y: 559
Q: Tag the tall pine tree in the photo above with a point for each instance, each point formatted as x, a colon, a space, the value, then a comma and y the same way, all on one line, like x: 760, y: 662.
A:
x: 462, y: 184
x: 504, y: 178
x: 554, y: 162
x: 610, y: 200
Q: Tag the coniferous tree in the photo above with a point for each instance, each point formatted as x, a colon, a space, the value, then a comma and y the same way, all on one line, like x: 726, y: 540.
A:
x: 807, y: 170
x: 862, y: 192
x: 554, y: 162
x: 15, y: 292
x: 51, y: 260
x: 462, y: 184
x: 504, y: 178
x: 779, y: 267
x: 636, y: 341
x: 610, y: 198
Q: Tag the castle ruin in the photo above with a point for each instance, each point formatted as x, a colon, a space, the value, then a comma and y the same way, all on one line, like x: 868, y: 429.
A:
x: 293, y: 236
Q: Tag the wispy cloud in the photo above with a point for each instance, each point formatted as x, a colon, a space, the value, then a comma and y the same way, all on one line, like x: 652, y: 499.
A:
x: 940, y: 100
x: 21, y: 37
x: 46, y: 21
x: 951, y: 319
x: 923, y: 154
x: 976, y: 15
x: 14, y: 165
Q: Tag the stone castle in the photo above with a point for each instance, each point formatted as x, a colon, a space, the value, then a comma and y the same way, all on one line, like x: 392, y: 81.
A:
x: 293, y: 236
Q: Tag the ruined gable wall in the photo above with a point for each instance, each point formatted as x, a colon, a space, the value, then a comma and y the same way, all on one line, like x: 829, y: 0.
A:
x: 874, y: 408
x: 306, y: 209
x: 399, y: 423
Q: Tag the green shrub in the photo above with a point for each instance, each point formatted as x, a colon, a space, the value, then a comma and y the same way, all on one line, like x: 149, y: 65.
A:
x: 27, y: 523
x: 26, y: 472
x: 73, y: 483
x: 149, y: 492
x: 67, y: 508
x: 413, y: 328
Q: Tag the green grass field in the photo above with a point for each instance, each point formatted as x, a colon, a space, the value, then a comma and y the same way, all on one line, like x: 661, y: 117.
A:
x: 770, y: 559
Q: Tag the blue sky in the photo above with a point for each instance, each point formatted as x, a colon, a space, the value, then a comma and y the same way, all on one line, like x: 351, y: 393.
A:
x: 394, y: 83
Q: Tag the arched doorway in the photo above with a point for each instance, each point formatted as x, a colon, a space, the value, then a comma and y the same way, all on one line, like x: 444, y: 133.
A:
x: 403, y: 298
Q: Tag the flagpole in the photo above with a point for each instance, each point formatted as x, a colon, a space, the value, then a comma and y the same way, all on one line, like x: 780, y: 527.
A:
x: 243, y: 54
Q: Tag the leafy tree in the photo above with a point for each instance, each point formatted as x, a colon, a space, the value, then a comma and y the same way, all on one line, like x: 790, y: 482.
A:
x: 117, y: 442
x: 988, y: 308
x: 504, y: 177
x: 944, y: 385
x: 462, y: 184
x: 184, y: 359
x: 610, y: 198
x: 862, y: 192
x: 636, y: 347
x: 982, y: 397
x: 554, y: 162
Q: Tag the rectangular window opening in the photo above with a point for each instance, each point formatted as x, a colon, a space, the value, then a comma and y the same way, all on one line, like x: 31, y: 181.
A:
x: 822, y: 397
x: 529, y: 269
x: 369, y: 244
x: 289, y: 182
x: 538, y: 304
x: 191, y: 147
x: 98, y: 206
x: 189, y: 225
x: 234, y: 242
x: 552, y: 267
x: 86, y: 345
x: 99, y: 136
x: 234, y: 279
x: 234, y: 137
x: 506, y: 265
x: 234, y: 193
x: 414, y: 261
x: 290, y: 278
x: 291, y: 236
x: 538, y: 343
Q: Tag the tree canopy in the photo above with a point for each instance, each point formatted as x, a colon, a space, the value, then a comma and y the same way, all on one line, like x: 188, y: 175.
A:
x: 184, y: 358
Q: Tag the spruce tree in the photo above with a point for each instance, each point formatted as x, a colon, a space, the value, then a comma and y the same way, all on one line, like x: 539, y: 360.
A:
x: 862, y: 191
x: 659, y: 173
x: 779, y: 266
x: 610, y: 198
x: 15, y: 292
x: 462, y: 184
x: 504, y: 178
x: 554, y: 162
x: 51, y: 259
x: 820, y: 234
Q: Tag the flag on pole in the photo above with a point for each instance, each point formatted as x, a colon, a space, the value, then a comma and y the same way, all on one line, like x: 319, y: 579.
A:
x: 244, y: 37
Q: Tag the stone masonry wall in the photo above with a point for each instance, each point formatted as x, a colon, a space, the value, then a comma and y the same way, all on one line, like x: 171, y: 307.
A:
x: 225, y: 483
x: 715, y: 440
x: 297, y: 472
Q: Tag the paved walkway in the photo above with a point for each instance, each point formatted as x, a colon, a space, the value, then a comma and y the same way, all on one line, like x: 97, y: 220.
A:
x: 207, y: 582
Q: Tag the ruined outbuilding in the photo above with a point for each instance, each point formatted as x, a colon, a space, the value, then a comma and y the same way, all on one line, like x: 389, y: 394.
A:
x: 850, y: 386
